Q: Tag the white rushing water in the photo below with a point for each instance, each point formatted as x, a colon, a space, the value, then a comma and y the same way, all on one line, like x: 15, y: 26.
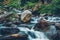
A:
x: 37, y: 35
x: 34, y: 35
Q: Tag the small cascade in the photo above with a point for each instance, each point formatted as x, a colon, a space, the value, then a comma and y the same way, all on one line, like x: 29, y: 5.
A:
x: 34, y: 35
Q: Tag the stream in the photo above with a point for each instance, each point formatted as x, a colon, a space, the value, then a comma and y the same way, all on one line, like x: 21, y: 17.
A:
x: 32, y: 34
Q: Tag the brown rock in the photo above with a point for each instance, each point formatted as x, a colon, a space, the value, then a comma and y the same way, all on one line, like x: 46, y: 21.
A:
x: 26, y: 15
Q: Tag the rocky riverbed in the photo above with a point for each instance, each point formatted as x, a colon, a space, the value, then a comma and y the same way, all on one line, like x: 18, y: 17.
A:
x: 15, y: 27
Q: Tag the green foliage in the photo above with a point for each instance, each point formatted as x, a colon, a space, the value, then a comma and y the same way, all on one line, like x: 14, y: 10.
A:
x: 53, y: 7
x: 34, y: 1
x: 56, y: 7
x: 13, y: 3
x: 29, y: 5
x: 1, y: 4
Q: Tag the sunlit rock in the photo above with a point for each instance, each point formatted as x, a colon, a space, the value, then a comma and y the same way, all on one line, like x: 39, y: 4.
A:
x: 26, y: 16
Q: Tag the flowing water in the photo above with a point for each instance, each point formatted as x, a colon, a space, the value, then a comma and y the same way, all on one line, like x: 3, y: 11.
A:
x: 32, y: 34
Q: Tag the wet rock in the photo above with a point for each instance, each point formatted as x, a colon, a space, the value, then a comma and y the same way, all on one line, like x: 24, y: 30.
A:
x: 1, y: 12
x: 16, y: 22
x: 57, y: 26
x: 32, y: 34
x: 13, y: 25
x: 42, y: 25
x: 23, y: 34
x: 58, y: 36
x: 7, y: 24
x: 26, y: 16
x: 46, y: 18
x: 1, y: 22
x: 20, y: 36
x: 8, y: 31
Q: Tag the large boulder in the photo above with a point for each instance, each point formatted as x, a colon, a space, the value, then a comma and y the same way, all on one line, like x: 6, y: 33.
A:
x: 42, y: 25
x: 26, y: 15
